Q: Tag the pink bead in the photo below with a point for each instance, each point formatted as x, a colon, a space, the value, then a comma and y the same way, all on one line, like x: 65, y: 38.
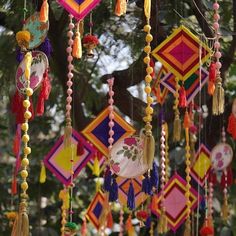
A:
x: 111, y: 93
x: 111, y: 124
x: 163, y: 153
x: 110, y: 140
x: 68, y: 107
x: 111, y: 116
x: 217, y: 45
x: 70, y: 75
x: 162, y: 146
x: 69, y: 91
x: 68, y: 114
x: 71, y: 26
x: 69, y: 49
x: 69, y: 82
x: 218, y: 55
x: 70, y: 34
x: 70, y: 67
x: 216, y: 25
x: 69, y: 99
x: 216, y: 6
x: 216, y: 17
x: 111, y: 132
x: 69, y: 58
x: 110, y: 108
x: 70, y: 42
x: 111, y: 101
x: 218, y: 65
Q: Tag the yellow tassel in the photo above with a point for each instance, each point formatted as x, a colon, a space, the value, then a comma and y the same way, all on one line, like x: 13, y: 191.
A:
x: 177, y: 129
x: 96, y: 167
x: 187, y: 231
x: 77, y: 46
x: 149, y: 150
x: 28, y: 61
x: 21, y: 225
x: 44, y: 12
x: 65, y: 197
x: 225, y: 211
x: 67, y: 135
x: 218, y: 100
x: 162, y: 227
x: 42, y: 177
x: 147, y: 8
x: 121, y: 7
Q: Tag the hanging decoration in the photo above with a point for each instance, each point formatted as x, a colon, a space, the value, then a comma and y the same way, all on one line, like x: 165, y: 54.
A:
x: 231, y: 129
x: 58, y: 159
x: 218, y: 95
x: 79, y: 9
x: 97, y: 164
x: 98, y: 130
x: 175, y: 201
x: 121, y: 7
x: 202, y: 165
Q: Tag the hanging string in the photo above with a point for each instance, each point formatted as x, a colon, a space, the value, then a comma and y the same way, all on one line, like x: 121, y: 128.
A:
x: 121, y: 223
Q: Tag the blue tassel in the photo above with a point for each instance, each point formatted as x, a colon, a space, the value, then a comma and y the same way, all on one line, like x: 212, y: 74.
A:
x: 148, y: 222
x: 46, y: 47
x: 131, y: 197
x: 107, y: 180
x: 113, y: 196
x: 19, y: 55
x: 146, y: 185
x: 154, y: 179
x: 203, y: 204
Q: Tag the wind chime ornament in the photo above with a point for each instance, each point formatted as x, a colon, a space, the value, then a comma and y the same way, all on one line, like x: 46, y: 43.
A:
x: 232, y: 121
x: 121, y: 7
x: 218, y: 95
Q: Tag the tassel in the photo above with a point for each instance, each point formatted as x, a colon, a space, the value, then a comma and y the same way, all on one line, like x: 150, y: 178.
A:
x: 146, y: 185
x: 96, y: 167
x: 212, y: 78
x: 154, y: 180
x: 149, y: 150
x: 129, y: 227
x: 44, y: 94
x: 77, y: 46
x: 84, y: 227
x: 17, y: 141
x: 154, y: 202
x: 182, y: 97
x: 187, y: 231
x: 107, y: 180
x: 80, y: 149
x: 46, y: 47
x: 28, y: 61
x: 110, y: 220
x: 231, y: 129
x: 42, y: 177
x: 131, y: 197
x: 67, y: 135
x: 19, y: 55
x: 207, y: 229
x: 147, y: 8
x: 162, y: 227
x: 22, y: 223
x: 187, y: 120
x: 113, y: 195
x: 44, y: 12
x: 177, y: 129
x: 218, y: 100
x: 225, y: 211
x: 121, y: 7
x: 14, y: 186
x: 25, y: 224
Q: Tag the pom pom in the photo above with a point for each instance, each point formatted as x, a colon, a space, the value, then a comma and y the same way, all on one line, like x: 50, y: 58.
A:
x: 142, y: 215
x: 113, y: 194
x: 154, y: 176
x: 23, y: 38
x: 206, y: 231
x: 46, y: 47
x: 182, y: 97
x: 107, y: 180
x: 44, y: 12
x: 131, y: 197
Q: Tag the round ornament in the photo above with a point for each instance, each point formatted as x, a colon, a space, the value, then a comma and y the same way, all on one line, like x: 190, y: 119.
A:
x: 38, y: 30
x: 221, y: 156
x: 127, y: 157
x: 38, y: 67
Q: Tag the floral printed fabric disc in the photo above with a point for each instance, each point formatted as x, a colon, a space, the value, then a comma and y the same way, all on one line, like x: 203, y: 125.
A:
x: 127, y: 157
x: 38, y: 67
x: 221, y: 156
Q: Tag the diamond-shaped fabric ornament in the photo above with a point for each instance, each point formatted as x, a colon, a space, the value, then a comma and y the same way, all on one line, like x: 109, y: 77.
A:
x: 58, y: 160
x: 123, y: 188
x: 180, y: 53
x: 79, y: 8
x: 97, y: 132
x: 156, y: 83
x: 175, y: 201
x: 202, y: 165
x: 101, y: 160
x: 95, y: 209
x: 192, y: 85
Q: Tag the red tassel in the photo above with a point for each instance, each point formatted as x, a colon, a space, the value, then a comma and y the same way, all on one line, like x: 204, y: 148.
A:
x: 187, y: 121
x: 80, y: 148
x: 182, y: 97
x: 14, y: 186
x: 44, y: 93
x: 213, y: 178
x: 110, y: 220
x: 212, y: 78
x: 229, y: 178
x: 16, y: 142
x: 232, y: 126
x: 206, y: 231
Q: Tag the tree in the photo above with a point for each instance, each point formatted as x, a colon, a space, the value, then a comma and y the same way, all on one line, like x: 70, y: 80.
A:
x: 117, y: 36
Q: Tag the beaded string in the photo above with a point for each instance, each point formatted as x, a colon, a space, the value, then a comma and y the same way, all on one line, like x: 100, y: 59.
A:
x: 121, y: 223
x: 218, y: 96
x: 167, y: 160
x: 210, y: 200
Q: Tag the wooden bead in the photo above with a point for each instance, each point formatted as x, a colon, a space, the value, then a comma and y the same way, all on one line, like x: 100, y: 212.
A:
x: 148, y: 89
x: 25, y: 138
x: 149, y: 38
x: 147, y: 28
x: 25, y: 127
x: 25, y: 162
x: 27, y: 150
x: 147, y: 49
x: 29, y: 91
x: 24, y: 174
x: 146, y: 60
x: 26, y: 103
x: 149, y: 69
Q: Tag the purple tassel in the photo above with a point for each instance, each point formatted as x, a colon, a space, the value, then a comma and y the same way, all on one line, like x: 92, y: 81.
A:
x: 146, y: 185
x: 19, y: 55
x: 154, y: 180
x: 131, y: 197
x: 113, y: 196
x: 148, y: 222
x: 107, y: 180
x: 46, y: 47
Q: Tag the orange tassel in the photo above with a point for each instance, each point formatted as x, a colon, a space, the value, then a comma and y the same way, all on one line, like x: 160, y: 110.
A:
x: 121, y: 6
x: 110, y: 220
x: 77, y: 46
x: 44, y: 12
x: 187, y: 120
